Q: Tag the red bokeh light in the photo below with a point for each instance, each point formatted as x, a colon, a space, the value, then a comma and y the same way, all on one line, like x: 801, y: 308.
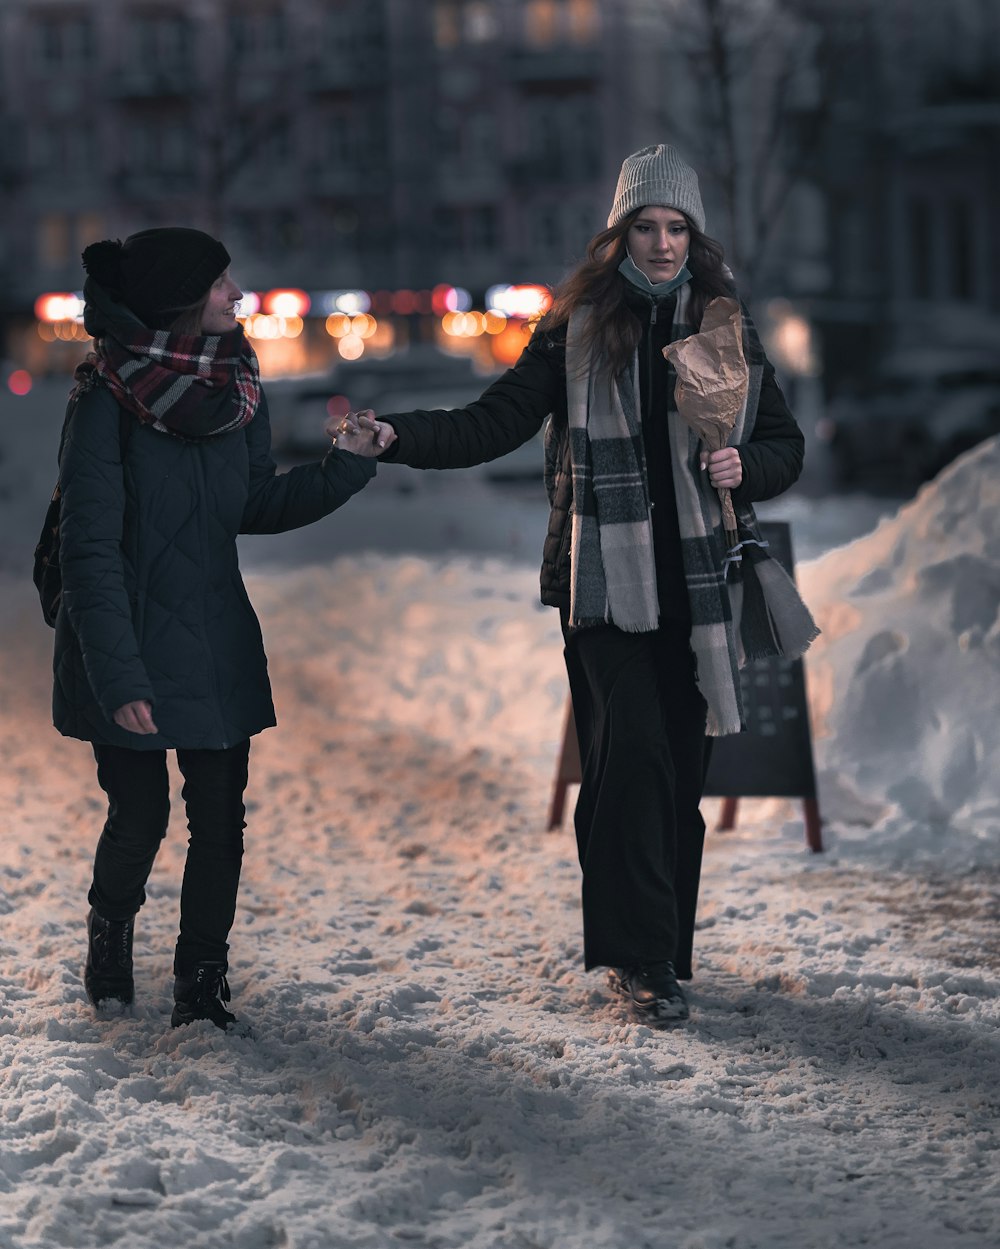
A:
x: 19, y: 382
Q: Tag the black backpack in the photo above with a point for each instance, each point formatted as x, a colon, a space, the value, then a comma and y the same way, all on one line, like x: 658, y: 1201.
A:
x: 46, y: 572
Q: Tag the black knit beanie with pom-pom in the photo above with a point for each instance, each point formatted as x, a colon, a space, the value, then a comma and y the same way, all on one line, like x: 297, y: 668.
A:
x: 157, y: 273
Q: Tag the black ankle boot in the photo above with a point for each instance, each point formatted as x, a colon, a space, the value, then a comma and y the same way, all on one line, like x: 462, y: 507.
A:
x: 107, y: 975
x: 200, y: 993
x: 651, y: 992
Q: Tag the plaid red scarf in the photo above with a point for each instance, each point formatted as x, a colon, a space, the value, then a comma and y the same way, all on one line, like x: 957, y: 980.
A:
x: 186, y: 385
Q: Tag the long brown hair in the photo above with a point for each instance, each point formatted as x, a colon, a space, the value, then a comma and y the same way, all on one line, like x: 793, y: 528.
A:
x: 188, y: 320
x: 613, y: 334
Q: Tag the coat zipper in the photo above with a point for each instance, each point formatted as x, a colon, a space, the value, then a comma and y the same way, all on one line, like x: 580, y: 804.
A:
x: 649, y: 393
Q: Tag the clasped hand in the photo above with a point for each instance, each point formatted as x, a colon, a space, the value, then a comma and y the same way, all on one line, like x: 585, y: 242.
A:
x: 359, y: 433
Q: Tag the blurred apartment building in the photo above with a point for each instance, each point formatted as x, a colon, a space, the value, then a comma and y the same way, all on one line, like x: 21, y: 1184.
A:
x: 337, y: 142
x: 905, y: 175
x: 406, y: 143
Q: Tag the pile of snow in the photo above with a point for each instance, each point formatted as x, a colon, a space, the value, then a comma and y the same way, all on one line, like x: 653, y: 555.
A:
x: 905, y: 680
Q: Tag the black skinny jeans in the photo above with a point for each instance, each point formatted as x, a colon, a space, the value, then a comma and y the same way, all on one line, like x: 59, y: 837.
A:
x: 138, y: 789
x: 640, y: 719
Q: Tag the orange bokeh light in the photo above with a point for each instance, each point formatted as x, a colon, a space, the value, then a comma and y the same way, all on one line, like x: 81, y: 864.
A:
x: 286, y: 303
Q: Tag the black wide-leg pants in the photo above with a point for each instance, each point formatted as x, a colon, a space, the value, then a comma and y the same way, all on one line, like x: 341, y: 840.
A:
x: 138, y: 789
x: 640, y: 720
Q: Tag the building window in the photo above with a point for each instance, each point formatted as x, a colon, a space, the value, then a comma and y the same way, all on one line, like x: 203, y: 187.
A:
x: 541, y: 22
x: 42, y: 146
x: 273, y: 147
x: 480, y: 22
x: 160, y: 148
x: 354, y: 141
x: 567, y: 147
x: 581, y: 226
x: 448, y: 134
x: 962, y: 247
x: 446, y: 25
x: 339, y: 133
x: 447, y: 229
x: 583, y: 21
x: 260, y: 36
x: 89, y: 228
x: 354, y: 32
x: 481, y: 233
x: 53, y: 240
x: 548, y: 231
x: 161, y: 41
x: 64, y: 41
x: 919, y: 240
x: 464, y: 21
x: 480, y: 147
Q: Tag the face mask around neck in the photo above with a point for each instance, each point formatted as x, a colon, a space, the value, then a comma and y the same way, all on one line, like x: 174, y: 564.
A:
x: 631, y: 272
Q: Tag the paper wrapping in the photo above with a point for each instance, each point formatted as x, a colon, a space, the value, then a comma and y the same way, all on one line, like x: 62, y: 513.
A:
x: 712, y: 381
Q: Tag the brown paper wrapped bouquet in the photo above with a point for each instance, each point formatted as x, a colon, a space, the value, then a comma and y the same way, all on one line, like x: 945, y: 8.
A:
x: 712, y: 379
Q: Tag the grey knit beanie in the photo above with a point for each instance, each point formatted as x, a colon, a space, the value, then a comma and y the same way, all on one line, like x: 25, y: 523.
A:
x: 657, y: 175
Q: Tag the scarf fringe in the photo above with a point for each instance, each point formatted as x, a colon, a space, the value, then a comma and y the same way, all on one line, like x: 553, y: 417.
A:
x: 716, y: 726
x: 793, y: 625
x: 773, y: 619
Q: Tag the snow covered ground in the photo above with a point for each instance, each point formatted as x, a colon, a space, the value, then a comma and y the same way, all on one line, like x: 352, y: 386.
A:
x: 431, y: 1065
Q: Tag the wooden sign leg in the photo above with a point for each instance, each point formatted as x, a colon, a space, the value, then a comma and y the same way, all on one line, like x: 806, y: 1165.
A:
x: 558, y: 805
x: 568, y: 771
x: 814, y: 837
x: 727, y: 818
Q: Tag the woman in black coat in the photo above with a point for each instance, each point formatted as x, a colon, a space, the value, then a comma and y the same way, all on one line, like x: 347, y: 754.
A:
x: 165, y: 458
x: 658, y: 606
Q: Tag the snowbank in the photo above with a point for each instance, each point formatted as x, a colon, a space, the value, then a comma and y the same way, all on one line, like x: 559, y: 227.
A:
x: 905, y: 680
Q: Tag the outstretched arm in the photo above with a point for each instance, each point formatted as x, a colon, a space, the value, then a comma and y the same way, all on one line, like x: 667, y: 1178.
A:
x: 280, y: 501
x: 506, y: 415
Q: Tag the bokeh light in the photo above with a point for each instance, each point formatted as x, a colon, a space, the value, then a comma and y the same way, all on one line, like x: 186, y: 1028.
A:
x: 351, y: 347
x: 19, y: 382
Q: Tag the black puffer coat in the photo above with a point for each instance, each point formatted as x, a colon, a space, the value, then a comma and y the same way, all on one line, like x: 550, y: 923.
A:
x: 514, y: 408
x: 153, y: 603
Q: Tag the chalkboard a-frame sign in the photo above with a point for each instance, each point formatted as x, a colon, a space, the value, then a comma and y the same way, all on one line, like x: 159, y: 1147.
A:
x: 773, y: 758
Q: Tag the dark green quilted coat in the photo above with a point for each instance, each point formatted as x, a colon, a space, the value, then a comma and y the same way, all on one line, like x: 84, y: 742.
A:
x: 153, y: 603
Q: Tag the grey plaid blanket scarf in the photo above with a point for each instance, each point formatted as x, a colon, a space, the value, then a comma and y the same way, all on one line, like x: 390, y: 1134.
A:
x: 743, y: 604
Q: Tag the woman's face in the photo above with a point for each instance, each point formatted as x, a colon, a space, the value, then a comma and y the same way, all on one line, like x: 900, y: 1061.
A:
x: 658, y: 242
x: 219, y: 316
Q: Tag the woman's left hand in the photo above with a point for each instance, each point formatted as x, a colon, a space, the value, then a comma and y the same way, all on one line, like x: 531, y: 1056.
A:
x: 724, y: 468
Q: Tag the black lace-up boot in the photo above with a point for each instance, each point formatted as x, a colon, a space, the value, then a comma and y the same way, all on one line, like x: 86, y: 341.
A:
x: 652, y: 992
x: 107, y: 976
x: 200, y: 995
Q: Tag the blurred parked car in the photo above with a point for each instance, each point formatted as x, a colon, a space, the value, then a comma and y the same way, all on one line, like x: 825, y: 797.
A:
x: 420, y: 377
x: 923, y: 410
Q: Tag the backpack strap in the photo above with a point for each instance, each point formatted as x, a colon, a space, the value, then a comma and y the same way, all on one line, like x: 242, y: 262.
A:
x: 46, y: 572
x: 125, y: 418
